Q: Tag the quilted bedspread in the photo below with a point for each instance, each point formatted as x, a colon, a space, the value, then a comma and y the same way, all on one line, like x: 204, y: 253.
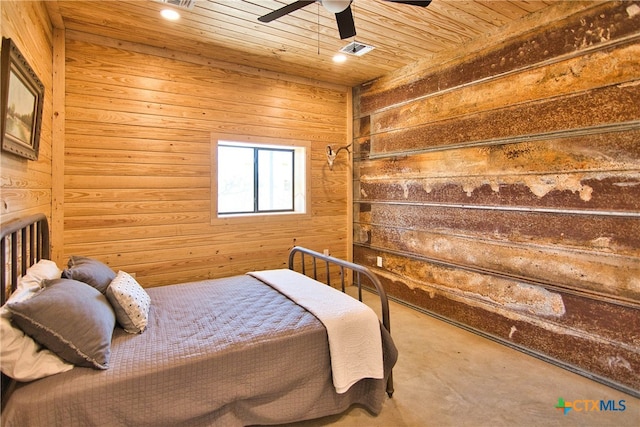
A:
x: 224, y: 352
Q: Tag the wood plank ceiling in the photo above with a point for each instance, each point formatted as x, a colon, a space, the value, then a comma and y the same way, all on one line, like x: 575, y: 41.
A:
x: 304, y: 42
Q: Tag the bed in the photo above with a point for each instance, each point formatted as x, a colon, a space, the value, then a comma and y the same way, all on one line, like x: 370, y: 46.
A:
x: 231, y: 351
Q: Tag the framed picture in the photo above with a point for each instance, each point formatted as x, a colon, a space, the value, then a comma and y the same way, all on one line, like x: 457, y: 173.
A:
x: 21, y: 108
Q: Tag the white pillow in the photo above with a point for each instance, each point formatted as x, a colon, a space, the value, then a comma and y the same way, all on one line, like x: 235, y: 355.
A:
x: 130, y: 302
x: 38, y: 273
x: 21, y: 358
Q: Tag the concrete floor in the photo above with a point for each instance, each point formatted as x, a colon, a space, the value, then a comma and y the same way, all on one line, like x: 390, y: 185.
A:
x: 446, y: 376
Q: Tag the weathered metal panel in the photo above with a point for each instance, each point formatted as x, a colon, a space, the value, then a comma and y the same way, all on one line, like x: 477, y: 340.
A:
x: 606, y: 150
x: 597, y: 172
x: 596, y: 107
x: 503, y: 191
x: 361, y: 147
x: 605, y: 24
x: 362, y: 126
x: 559, y: 230
x: 609, y: 349
x: 619, y: 193
x: 590, y: 272
x: 557, y: 82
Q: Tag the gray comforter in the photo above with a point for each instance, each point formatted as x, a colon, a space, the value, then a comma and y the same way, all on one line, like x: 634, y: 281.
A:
x: 223, y: 352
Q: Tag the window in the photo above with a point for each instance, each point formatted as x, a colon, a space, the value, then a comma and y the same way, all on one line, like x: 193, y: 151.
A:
x: 255, y: 179
x: 252, y: 179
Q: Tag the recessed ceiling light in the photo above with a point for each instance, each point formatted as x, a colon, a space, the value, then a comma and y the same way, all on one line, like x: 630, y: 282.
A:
x: 339, y: 57
x: 170, y: 14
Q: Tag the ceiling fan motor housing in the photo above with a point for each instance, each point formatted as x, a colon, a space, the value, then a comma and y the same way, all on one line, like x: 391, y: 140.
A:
x: 335, y: 6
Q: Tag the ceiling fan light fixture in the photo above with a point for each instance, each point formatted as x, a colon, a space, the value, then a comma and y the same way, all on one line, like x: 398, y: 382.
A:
x: 336, y: 6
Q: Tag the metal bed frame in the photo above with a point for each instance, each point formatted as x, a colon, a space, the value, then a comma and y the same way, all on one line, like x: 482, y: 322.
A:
x: 25, y: 241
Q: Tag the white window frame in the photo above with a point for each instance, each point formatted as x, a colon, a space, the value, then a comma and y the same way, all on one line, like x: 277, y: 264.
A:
x: 302, y: 175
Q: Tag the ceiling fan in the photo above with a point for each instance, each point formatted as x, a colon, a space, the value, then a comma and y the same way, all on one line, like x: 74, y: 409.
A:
x: 341, y: 8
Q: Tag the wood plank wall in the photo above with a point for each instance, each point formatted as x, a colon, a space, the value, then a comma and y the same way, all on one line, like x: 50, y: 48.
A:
x: 502, y: 188
x: 137, y: 171
x: 25, y: 185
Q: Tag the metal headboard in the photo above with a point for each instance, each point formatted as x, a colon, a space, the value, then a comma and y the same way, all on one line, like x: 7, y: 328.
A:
x: 23, y: 242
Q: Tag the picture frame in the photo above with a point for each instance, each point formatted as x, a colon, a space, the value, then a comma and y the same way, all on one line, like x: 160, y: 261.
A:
x: 21, y: 103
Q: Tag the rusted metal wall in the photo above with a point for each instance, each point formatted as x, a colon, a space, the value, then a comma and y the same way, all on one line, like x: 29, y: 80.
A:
x: 502, y: 189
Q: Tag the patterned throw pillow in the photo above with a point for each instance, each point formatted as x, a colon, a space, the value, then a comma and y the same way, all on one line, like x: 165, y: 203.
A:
x: 130, y: 302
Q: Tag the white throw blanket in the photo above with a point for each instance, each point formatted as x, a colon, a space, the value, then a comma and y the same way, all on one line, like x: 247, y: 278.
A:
x: 353, y: 328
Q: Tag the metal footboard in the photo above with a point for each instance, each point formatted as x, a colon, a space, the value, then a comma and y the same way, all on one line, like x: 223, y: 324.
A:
x: 358, y: 271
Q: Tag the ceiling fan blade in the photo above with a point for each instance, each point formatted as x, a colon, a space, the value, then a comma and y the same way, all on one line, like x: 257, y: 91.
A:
x: 423, y: 3
x: 346, y: 26
x: 285, y: 10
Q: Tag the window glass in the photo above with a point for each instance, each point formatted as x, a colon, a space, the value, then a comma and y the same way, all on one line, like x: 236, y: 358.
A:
x: 260, y: 179
x: 275, y: 180
x: 235, y: 179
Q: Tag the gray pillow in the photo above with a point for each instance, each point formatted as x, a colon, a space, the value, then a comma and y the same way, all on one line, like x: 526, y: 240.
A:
x: 90, y: 271
x: 70, y: 318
